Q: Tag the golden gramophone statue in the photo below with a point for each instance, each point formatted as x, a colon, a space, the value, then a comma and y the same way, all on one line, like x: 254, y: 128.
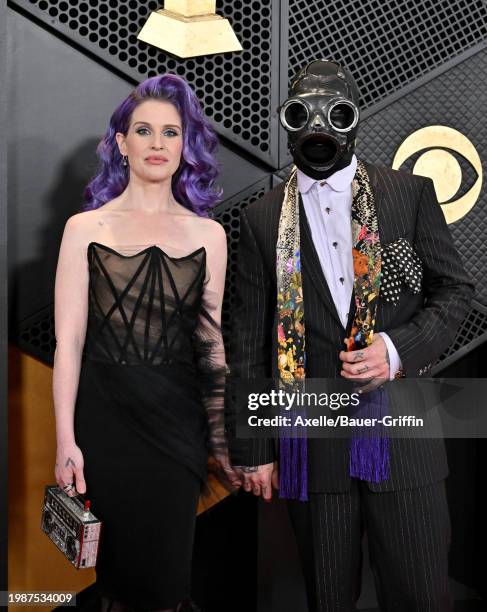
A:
x: 188, y: 28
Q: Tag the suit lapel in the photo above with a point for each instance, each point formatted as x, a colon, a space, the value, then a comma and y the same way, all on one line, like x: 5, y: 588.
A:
x: 311, y: 264
x: 351, y: 314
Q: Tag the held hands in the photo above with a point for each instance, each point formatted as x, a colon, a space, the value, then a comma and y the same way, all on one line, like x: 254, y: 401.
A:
x: 260, y: 480
x: 230, y: 473
x: 69, y: 469
x: 369, y: 365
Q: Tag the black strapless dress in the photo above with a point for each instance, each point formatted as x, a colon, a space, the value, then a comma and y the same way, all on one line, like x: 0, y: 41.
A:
x: 148, y: 404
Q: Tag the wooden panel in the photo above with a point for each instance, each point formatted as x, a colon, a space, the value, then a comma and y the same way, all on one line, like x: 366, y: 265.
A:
x: 35, y: 564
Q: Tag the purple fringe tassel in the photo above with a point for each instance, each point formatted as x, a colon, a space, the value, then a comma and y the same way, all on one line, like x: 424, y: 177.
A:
x: 293, y: 468
x: 369, y: 453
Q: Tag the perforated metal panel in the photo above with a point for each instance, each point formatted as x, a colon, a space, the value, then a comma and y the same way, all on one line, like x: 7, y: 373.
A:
x: 450, y: 99
x: 36, y: 335
x: 471, y: 333
x: 386, y: 44
x: 234, y: 88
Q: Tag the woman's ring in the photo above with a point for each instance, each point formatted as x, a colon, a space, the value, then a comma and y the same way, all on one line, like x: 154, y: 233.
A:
x: 68, y: 487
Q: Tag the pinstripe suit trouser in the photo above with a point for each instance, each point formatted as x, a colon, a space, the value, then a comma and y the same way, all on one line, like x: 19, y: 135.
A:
x: 409, y: 535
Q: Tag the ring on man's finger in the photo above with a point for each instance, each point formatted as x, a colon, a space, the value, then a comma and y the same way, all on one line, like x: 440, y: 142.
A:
x: 68, y: 487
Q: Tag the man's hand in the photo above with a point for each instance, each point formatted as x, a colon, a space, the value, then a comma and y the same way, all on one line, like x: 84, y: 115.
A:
x: 371, y: 364
x: 261, y: 480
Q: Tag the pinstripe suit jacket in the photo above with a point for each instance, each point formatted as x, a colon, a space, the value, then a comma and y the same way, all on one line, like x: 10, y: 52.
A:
x: 421, y: 326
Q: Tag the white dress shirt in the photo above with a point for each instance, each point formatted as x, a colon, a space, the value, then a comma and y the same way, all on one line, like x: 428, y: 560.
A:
x: 328, y: 206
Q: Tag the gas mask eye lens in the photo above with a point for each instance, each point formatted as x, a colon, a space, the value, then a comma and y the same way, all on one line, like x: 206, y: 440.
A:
x: 343, y: 116
x: 294, y: 115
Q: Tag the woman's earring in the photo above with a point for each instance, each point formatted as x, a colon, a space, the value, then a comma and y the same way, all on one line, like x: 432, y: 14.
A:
x: 125, y: 160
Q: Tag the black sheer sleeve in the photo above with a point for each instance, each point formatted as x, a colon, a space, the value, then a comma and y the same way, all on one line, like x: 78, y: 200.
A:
x: 209, y: 352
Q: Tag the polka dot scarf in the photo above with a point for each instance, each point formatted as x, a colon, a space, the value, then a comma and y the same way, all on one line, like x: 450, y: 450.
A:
x: 400, y: 264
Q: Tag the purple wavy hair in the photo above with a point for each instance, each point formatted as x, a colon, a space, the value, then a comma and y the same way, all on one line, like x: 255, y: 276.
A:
x: 193, y: 182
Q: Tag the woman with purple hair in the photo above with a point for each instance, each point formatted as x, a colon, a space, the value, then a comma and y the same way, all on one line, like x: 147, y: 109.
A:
x: 139, y: 366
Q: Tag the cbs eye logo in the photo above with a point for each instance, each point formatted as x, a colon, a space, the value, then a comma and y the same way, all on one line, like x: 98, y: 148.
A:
x: 440, y: 165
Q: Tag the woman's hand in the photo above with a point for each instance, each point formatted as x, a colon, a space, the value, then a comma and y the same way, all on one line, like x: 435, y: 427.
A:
x: 69, y: 469
x: 221, y: 456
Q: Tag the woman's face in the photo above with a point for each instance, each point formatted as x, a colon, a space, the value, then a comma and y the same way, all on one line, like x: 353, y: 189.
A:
x: 154, y: 141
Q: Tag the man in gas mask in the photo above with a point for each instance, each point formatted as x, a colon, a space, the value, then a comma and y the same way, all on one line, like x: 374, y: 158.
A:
x: 348, y: 270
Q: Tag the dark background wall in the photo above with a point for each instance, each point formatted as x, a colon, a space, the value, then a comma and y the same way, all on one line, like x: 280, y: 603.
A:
x: 417, y: 64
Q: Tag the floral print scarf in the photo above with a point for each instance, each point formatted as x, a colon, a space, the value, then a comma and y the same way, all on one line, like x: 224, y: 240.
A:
x: 369, y: 455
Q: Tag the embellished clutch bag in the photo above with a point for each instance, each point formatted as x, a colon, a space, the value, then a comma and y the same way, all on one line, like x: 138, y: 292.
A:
x: 70, y: 524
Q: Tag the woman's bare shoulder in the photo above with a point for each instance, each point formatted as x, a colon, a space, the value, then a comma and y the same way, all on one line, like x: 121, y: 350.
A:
x: 213, y: 236
x: 80, y: 226
x: 211, y: 228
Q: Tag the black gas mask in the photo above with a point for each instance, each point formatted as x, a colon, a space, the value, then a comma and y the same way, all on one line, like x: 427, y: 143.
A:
x: 321, y: 117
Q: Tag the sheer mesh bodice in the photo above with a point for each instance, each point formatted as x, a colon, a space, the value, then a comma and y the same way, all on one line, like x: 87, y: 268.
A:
x: 143, y: 308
